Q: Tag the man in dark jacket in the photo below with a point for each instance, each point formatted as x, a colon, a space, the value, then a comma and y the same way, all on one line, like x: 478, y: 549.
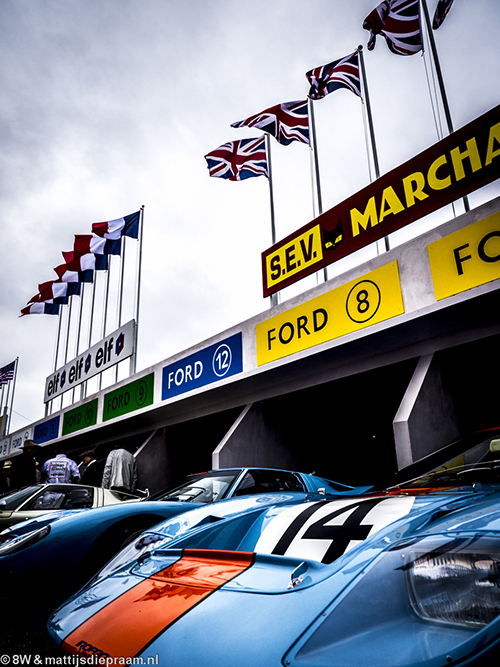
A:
x: 92, y: 474
x: 23, y: 471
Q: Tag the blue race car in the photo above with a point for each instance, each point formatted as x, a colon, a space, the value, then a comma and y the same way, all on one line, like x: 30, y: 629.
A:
x: 409, y: 576
x: 77, y: 543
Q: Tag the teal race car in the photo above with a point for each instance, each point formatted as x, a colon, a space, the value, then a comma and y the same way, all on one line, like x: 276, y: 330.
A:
x: 405, y: 577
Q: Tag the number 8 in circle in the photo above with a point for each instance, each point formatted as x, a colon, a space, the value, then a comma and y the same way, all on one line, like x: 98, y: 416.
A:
x: 363, y: 301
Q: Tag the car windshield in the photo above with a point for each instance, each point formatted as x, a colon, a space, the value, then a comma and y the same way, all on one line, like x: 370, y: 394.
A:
x: 477, y: 473
x: 203, y: 488
x: 10, y: 501
x: 479, y: 464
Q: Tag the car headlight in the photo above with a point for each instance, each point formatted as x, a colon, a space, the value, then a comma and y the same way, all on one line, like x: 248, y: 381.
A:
x: 9, y: 545
x: 461, y: 587
x: 435, y: 599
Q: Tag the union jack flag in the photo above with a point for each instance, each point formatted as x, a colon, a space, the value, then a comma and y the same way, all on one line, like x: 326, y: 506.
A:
x: 287, y: 122
x: 237, y: 160
x: 442, y: 9
x: 399, y: 22
x: 7, y: 373
x: 343, y: 73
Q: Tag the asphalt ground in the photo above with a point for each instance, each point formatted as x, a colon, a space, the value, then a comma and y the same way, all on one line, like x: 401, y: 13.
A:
x: 23, y: 636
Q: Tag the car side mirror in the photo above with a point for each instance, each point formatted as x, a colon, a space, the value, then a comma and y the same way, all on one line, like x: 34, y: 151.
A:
x: 494, y: 446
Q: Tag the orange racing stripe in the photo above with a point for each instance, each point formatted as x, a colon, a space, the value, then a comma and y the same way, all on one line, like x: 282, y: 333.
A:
x: 130, y: 622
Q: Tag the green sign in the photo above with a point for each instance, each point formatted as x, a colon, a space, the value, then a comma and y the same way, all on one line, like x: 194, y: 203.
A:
x: 130, y: 397
x: 79, y: 418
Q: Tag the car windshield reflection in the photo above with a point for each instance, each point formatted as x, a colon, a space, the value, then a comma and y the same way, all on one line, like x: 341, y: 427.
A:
x: 205, y: 488
x: 479, y: 464
x: 10, y: 501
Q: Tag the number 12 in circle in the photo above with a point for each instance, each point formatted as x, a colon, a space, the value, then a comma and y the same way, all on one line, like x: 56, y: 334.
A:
x: 222, y: 358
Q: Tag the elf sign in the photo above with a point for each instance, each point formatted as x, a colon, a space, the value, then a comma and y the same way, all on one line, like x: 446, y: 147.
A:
x: 111, y: 350
x: 462, y: 162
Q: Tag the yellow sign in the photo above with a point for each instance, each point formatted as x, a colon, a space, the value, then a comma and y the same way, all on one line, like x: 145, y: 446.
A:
x: 358, y: 304
x: 467, y: 258
x: 295, y: 256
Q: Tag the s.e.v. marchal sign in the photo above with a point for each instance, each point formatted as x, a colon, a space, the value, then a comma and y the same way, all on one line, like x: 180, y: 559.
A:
x: 114, y: 348
x: 462, y: 162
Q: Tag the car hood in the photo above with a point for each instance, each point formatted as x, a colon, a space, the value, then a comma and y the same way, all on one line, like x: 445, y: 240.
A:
x: 37, y: 522
x: 272, y: 551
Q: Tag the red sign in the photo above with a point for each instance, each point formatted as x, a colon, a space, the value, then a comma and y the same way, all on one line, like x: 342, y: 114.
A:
x: 461, y: 163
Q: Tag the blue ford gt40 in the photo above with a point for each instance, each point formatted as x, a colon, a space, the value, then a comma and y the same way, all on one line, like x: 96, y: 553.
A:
x: 75, y: 544
x: 410, y: 576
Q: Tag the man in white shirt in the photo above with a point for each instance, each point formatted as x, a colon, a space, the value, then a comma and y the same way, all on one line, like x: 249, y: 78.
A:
x: 60, y: 469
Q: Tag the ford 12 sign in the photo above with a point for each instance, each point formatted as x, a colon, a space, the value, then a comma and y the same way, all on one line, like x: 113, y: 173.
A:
x: 210, y: 364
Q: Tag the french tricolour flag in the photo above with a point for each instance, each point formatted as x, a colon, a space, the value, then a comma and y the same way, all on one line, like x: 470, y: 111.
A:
x: 41, y: 309
x: 115, y: 229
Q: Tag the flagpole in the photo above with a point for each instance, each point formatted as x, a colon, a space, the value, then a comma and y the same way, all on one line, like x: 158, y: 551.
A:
x: 437, y: 65
x: 271, y: 192
x: 369, y: 113
x: 120, y: 291
x: 80, y: 312
x: 105, y: 313
x: 439, y: 74
x: 56, y: 355
x: 120, y: 294
x: 3, y: 412
x: 70, y: 308
x: 106, y: 301
x: 9, y: 414
x: 6, y: 409
x: 314, y: 148
x: 133, y: 358
x: 371, y: 130
x: 274, y: 297
x: 83, y: 392
x: 3, y: 417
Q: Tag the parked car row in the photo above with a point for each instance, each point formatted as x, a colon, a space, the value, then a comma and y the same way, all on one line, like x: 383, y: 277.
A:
x: 315, y: 575
x: 76, y: 543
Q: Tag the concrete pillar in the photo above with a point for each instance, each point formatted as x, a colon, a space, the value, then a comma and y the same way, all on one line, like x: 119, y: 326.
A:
x: 252, y: 441
x: 427, y: 418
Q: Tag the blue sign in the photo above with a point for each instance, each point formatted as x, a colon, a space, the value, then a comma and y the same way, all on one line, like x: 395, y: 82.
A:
x: 47, y: 430
x: 213, y: 363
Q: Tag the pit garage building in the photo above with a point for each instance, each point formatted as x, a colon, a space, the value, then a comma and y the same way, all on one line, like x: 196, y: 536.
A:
x: 355, y: 379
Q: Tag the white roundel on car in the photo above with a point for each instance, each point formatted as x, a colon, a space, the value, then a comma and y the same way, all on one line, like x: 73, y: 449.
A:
x: 325, y: 530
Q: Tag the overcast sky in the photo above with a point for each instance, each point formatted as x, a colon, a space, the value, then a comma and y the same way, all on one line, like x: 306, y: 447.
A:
x: 108, y: 105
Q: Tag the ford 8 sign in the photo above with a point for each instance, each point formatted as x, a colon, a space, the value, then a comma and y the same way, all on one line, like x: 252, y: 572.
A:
x: 462, y: 162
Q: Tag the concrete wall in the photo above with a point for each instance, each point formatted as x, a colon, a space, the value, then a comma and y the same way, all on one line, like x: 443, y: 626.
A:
x: 255, y: 441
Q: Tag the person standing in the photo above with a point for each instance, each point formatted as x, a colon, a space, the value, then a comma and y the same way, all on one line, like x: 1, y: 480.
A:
x: 120, y: 471
x: 92, y: 474
x: 60, y: 469
x: 23, y: 471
